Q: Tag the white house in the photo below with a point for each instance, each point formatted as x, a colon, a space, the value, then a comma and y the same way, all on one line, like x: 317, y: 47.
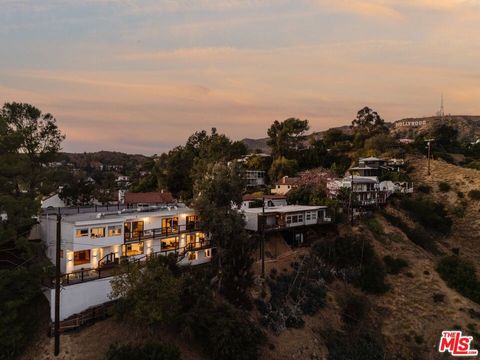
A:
x: 254, y: 178
x: 275, y: 214
x: 93, y: 243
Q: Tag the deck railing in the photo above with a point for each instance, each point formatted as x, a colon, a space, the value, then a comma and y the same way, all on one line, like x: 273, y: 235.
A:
x: 165, y: 232
x: 84, y: 275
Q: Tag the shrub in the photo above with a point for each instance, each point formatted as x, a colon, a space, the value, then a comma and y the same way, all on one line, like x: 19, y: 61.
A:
x: 430, y: 214
x: 394, y: 265
x: 418, y: 339
x: 357, y: 257
x: 443, y: 186
x: 354, y: 310
x: 459, y: 211
x: 362, y: 346
x: 474, y: 194
x: 460, y: 275
x: 426, y: 189
x: 150, y: 351
x: 417, y: 235
x: 224, y: 331
x: 438, y: 297
x: 375, y: 227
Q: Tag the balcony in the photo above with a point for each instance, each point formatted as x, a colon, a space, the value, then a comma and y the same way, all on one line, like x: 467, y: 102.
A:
x: 158, y: 233
x: 114, y: 266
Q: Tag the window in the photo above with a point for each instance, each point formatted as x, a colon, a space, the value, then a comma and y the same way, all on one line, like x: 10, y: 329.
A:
x: 115, y: 230
x: 170, y: 243
x: 294, y: 218
x: 81, y: 232
x: 289, y: 219
x: 192, y: 255
x: 300, y: 218
x: 133, y: 249
x: 169, y: 225
x: 97, y: 232
x: 208, y: 253
x: 314, y: 215
x: 81, y: 257
x: 307, y: 216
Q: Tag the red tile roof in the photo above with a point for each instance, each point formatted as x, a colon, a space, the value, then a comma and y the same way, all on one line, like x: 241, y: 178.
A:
x: 148, y: 198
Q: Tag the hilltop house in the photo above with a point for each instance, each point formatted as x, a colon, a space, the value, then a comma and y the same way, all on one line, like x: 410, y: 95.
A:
x: 254, y: 178
x: 367, y: 191
x: 269, y: 213
x: 94, y: 243
x: 284, y: 185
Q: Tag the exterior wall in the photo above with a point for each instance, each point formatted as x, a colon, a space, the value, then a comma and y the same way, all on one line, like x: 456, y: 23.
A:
x: 53, y: 201
x: 281, y: 189
x: 79, y: 297
x: 251, y: 220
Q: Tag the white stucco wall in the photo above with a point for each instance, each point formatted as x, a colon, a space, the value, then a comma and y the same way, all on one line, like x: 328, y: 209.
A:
x: 79, y: 297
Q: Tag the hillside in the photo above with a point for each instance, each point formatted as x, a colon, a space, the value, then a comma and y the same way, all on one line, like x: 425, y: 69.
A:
x: 261, y: 144
x: 105, y: 157
x: 409, y: 316
x: 468, y: 125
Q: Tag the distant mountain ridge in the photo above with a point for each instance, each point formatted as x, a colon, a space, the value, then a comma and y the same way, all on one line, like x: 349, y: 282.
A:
x: 468, y: 127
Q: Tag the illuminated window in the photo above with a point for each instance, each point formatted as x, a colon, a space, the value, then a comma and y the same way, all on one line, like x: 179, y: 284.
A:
x: 133, y: 249
x: 192, y: 255
x: 81, y: 232
x: 115, y: 230
x: 97, y: 232
x: 170, y: 243
x: 81, y: 257
x: 208, y: 253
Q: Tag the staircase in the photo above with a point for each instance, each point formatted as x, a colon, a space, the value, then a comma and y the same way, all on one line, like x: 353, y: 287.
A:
x: 108, y: 260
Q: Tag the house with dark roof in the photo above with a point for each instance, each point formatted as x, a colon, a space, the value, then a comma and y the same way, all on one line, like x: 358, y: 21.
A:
x: 148, y: 198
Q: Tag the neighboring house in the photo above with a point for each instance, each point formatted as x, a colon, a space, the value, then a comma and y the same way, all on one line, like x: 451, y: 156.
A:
x: 254, y: 178
x: 147, y: 198
x: 367, y: 191
x: 122, y: 178
x: 284, y: 185
x: 276, y: 215
x: 52, y: 201
x: 406, y: 141
x: 94, y: 243
x: 373, y: 166
x: 370, y: 166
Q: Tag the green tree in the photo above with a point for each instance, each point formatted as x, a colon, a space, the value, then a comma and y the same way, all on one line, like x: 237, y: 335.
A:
x: 148, y: 295
x: 216, y: 193
x: 282, y: 167
x: 178, y: 170
x: 367, y: 124
x: 28, y: 141
x: 287, y: 137
x: 33, y: 136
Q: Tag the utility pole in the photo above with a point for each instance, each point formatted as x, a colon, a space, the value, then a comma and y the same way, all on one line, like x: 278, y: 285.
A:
x: 429, y: 154
x: 262, y: 246
x: 57, y: 284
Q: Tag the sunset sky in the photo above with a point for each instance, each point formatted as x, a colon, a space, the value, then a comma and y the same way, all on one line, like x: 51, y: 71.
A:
x: 141, y: 76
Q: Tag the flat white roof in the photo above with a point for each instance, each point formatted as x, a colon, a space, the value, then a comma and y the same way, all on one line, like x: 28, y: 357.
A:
x: 120, y: 216
x: 284, y: 209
